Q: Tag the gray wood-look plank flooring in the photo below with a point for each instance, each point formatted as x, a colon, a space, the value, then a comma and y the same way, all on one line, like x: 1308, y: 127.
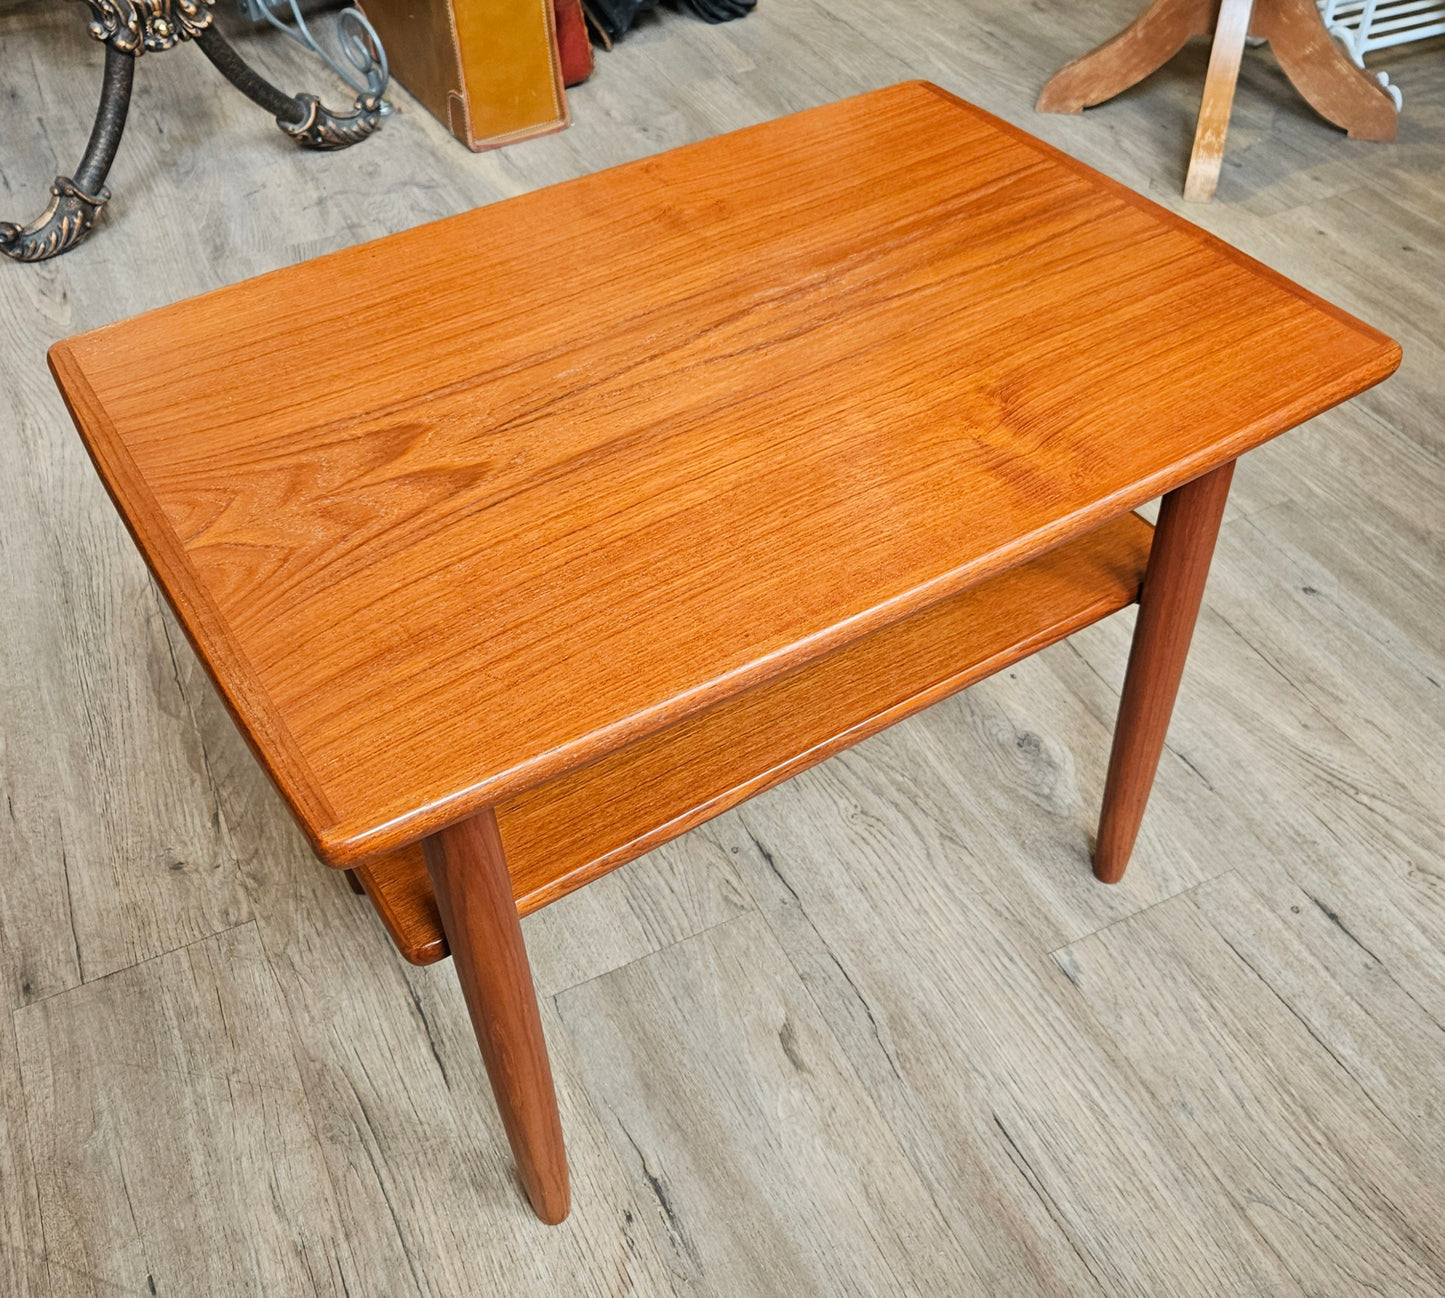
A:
x: 875, y: 1032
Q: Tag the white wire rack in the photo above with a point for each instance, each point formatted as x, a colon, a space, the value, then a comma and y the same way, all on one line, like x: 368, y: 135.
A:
x: 1365, y: 25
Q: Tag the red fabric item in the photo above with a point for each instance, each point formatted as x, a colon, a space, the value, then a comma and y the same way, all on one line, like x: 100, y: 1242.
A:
x: 574, y: 49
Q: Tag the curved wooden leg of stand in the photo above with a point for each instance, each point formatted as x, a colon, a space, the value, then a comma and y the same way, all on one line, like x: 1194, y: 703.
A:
x: 1146, y: 44
x: 303, y: 117
x: 1321, y: 71
x: 479, y: 914
x: 75, y: 202
x: 1168, y: 606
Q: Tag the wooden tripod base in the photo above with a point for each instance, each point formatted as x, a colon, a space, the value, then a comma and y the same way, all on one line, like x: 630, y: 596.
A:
x: 1319, y: 69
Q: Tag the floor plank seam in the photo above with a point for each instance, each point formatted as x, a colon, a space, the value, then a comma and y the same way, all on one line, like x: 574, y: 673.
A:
x: 200, y: 1075
x: 104, y: 1284
x: 27, y: 1153
x: 1386, y: 649
x: 1107, y: 722
x: 1143, y: 910
x: 368, y: 1140
x: 554, y: 992
x: 367, y: 1144
x: 30, y: 1120
x: 139, y: 964
x: 1314, y: 709
x: 770, y: 861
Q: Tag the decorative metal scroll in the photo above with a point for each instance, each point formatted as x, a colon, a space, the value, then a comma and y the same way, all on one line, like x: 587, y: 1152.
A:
x: 1365, y: 25
x: 135, y: 26
x: 365, y: 68
x: 130, y: 28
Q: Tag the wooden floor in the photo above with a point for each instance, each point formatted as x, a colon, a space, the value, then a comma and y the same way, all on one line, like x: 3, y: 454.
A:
x: 878, y: 1031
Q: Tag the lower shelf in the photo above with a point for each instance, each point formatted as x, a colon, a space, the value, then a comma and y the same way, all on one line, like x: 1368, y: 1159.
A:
x: 574, y: 828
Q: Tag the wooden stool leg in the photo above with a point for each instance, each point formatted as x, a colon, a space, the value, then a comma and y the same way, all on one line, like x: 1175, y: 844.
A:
x: 1149, y: 42
x: 474, y: 895
x: 1219, y: 82
x: 1168, y: 605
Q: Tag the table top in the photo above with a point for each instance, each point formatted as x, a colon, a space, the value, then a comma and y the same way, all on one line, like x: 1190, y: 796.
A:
x: 454, y: 511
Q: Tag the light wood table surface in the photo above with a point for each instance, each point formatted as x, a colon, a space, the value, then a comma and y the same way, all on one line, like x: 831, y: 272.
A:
x: 838, y: 414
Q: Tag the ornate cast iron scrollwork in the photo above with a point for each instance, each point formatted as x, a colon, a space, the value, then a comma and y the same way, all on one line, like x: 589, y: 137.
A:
x: 134, y: 26
x: 62, y: 225
x: 75, y: 202
x: 129, y: 28
x: 320, y: 128
x: 302, y: 117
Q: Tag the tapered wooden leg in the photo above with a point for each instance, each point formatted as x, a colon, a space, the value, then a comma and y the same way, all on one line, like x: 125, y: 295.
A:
x: 1148, y: 43
x: 474, y: 895
x: 1168, y: 606
x: 1213, y: 126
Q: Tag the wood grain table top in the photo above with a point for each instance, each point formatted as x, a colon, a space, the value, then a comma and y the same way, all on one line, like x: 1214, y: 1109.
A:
x: 452, y: 512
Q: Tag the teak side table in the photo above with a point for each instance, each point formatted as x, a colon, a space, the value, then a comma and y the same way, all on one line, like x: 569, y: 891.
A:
x: 847, y: 411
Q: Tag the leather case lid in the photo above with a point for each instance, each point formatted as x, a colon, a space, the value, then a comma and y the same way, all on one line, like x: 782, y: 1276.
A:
x: 489, y: 69
x: 512, y: 75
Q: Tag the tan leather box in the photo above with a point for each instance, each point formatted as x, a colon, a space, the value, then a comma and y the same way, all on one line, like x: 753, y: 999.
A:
x: 487, y: 68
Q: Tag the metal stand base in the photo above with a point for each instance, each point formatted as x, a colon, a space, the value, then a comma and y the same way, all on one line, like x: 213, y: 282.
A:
x: 128, y: 28
x: 303, y: 117
x: 76, y: 202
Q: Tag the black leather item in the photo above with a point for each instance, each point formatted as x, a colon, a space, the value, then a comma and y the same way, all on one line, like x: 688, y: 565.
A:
x: 719, y: 11
x: 614, y: 17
